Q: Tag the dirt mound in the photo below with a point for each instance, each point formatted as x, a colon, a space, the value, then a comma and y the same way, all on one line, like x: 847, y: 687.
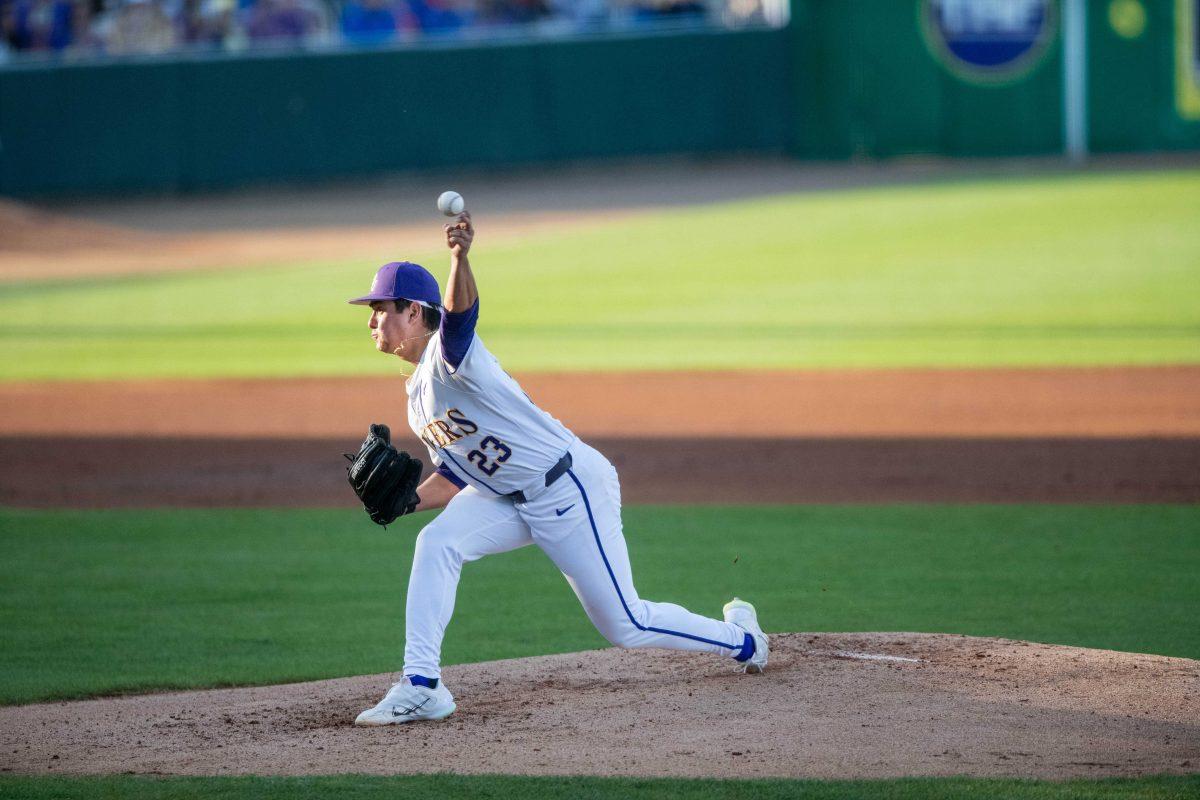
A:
x: 829, y: 706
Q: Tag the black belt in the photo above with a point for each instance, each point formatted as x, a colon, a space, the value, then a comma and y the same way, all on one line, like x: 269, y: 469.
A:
x: 556, y: 472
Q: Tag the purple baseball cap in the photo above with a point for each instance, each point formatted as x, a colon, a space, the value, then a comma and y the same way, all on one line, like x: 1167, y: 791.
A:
x: 402, y: 280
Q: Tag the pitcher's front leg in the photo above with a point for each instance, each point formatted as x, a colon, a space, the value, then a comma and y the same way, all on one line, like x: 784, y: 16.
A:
x: 470, y: 527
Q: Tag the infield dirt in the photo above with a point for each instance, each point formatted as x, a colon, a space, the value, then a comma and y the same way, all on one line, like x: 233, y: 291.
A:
x: 965, y: 706
x: 1065, y: 435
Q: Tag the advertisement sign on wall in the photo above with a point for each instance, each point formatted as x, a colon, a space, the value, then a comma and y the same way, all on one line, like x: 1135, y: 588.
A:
x: 988, y: 41
x: 1187, y: 58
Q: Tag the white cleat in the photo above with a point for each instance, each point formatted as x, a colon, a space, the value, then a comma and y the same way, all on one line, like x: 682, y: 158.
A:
x: 407, y: 703
x: 740, y: 613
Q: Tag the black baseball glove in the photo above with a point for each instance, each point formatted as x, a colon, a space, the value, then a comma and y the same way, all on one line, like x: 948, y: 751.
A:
x: 384, y: 478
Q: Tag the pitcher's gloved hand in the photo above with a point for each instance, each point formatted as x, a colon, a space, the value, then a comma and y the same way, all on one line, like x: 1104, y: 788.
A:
x: 384, y: 478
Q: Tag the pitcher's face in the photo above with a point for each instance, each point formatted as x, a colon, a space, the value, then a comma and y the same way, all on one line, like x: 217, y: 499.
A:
x: 396, y: 331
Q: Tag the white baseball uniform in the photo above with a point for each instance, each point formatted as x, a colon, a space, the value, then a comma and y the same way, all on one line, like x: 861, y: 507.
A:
x: 485, y: 434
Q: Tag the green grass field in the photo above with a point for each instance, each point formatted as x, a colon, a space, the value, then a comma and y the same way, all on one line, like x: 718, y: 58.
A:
x: 120, y: 601
x: 498, y: 787
x: 1062, y: 270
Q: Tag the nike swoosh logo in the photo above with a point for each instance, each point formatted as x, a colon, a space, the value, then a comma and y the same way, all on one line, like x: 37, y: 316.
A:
x: 412, y: 710
x: 561, y: 511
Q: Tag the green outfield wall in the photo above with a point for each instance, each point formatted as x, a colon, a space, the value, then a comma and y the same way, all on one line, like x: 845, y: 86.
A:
x: 201, y: 124
x: 868, y: 78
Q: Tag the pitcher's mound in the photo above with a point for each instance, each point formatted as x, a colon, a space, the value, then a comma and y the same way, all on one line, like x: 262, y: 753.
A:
x: 829, y: 706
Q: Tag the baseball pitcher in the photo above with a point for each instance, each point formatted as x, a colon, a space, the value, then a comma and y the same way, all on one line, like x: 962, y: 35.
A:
x: 507, y: 474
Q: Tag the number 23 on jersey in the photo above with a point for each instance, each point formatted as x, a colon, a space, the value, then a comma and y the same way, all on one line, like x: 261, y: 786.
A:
x: 491, y: 454
x: 488, y: 457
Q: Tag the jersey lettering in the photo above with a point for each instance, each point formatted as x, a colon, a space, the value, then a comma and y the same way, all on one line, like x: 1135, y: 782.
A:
x: 439, y: 433
x: 463, y: 423
x: 449, y: 435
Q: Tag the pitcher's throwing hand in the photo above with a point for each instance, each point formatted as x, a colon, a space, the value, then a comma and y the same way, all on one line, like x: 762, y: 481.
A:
x: 459, y: 235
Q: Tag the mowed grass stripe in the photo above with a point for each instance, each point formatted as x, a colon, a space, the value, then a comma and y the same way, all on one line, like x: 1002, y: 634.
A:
x: 504, y: 787
x: 129, y: 601
x: 1065, y: 270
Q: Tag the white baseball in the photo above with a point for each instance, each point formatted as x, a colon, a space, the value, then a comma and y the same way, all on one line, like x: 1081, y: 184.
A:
x: 451, y: 203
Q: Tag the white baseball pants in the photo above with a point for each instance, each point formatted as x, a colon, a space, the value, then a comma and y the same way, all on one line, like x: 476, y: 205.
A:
x: 577, y: 522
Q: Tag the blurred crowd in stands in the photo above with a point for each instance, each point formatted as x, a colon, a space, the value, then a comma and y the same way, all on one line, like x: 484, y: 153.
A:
x: 140, y: 27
